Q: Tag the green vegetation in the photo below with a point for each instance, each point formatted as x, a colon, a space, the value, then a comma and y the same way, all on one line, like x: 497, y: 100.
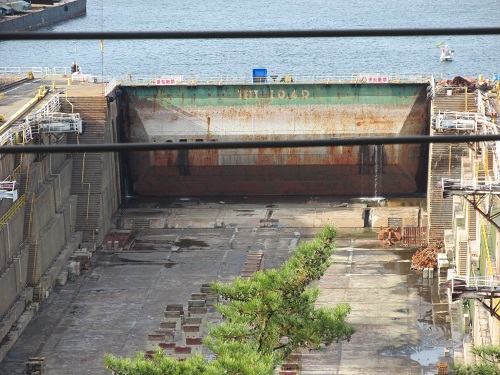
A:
x: 266, y: 318
x: 488, y: 363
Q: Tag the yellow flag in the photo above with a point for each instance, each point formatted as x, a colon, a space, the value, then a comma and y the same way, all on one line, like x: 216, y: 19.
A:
x: 102, y: 45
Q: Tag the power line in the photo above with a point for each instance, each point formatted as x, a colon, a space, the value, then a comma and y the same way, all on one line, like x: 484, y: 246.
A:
x: 249, y: 34
x: 170, y: 146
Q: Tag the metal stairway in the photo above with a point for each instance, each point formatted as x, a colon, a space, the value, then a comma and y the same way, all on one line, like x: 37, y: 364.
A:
x: 445, y: 162
x: 88, y: 167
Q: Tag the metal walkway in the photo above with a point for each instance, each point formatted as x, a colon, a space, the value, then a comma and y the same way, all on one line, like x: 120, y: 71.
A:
x: 484, y: 289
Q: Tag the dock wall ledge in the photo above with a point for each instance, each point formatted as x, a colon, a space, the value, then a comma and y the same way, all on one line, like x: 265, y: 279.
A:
x: 41, y: 16
x: 167, y: 79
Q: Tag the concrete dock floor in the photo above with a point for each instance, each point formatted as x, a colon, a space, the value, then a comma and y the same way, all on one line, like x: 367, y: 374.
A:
x: 111, y: 307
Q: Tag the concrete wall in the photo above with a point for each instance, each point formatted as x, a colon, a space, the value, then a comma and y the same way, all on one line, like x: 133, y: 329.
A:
x: 54, y: 235
x: 44, y: 16
x: 49, y: 182
x: 7, y: 162
x: 11, y: 236
x: 54, y: 214
x: 6, y: 165
x: 162, y: 113
x: 110, y: 188
x: 40, y: 170
x: 13, y: 280
x: 380, y: 216
x: 50, y: 196
x: 208, y: 113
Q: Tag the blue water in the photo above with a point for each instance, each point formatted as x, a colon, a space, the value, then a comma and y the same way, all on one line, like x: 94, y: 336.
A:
x: 474, y: 55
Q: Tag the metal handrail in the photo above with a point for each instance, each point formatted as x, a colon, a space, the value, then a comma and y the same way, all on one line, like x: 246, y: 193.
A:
x: 469, y: 184
x: 88, y: 187
x: 35, y: 256
x: 474, y: 282
x: 272, y: 77
x: 275, y: 78
x: 71, y: 104
x: 31, y: 216
x: 12, y: 210
x: 111, y: 85
x: 21, y: 70
x: 53, y: 105
x: 487, y: 248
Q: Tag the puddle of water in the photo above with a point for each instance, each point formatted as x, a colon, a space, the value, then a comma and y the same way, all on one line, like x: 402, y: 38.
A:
x: 428, y: 357
x: 244, y: 212
x: 401, y: 266
x: 435, y: 333
x: 186, y: 243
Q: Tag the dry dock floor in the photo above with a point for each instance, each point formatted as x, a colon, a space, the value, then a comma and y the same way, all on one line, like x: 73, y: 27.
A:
x: 111, y: 307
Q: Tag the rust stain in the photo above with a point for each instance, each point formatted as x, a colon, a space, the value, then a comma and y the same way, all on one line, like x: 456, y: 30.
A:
x: 320, y: 170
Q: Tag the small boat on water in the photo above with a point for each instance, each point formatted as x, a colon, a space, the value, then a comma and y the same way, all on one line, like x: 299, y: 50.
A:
x: 446, y: 53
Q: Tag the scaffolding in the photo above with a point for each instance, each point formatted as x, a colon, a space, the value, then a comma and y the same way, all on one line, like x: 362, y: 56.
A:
x: 481, y: 192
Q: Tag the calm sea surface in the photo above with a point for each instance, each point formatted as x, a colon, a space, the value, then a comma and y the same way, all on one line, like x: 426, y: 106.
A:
x: 474, y: 55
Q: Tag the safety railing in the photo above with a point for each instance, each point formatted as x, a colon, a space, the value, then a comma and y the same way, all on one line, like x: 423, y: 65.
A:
x: 21, y: 70
x: 58, y: 70
x: 36, y: 70
x: 110, y: 87
x: 35, y: 260
x: 488, y: 127
x: 273, y: 78
x: 278, y: 77
x: 432, y: 92
x: 452, y: 120
x: 32, y: 209
x: 12, y: 210
x: 6, y: 138
x: 88, y: 187
x: 470, y: 185
x: 487, y: 249
x: 9, y: 136
x: 57, y: 122
x: 53, y: 105
x: 458, y: 283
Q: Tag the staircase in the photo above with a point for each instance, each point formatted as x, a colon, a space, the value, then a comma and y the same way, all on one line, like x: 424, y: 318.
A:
x: 445, y: 162
x: 459, y: 102
x: 32, y: 273
x: 87, y: 176
x: 462, y: 261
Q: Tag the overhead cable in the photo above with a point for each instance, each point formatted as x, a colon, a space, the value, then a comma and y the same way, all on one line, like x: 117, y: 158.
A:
x: 247, y: 34
x: 169, y: 146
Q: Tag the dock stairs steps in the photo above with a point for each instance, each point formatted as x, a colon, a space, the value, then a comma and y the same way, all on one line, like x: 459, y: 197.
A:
x: 445, y: 162
x: 88, y: 167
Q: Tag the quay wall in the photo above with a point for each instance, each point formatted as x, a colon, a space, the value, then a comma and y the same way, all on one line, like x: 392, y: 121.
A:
x: 41, y: 16
x: 111, y: 188
x: 13, y: 282
x: 39, y: 237
x: 11, y: 238
x: 48, y: 212
x: 7, y: 165
x: 53, y: 237
x: 50, y: 196
x: 215, y: 113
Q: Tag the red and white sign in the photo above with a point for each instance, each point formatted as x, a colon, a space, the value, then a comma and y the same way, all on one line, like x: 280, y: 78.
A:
x: 166, y: 81
x: 375, y: 79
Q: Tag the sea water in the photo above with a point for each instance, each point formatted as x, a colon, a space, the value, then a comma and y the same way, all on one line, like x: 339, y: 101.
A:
x: 474, y: 55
